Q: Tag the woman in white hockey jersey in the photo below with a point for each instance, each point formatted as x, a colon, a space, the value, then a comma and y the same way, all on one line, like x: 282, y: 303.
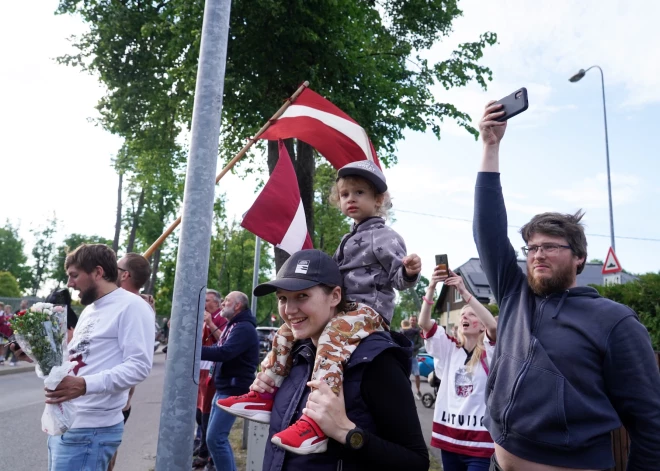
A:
x: 462, y: 365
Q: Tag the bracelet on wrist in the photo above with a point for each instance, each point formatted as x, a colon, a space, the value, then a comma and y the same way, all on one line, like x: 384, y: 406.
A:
x: 468, y: 300
x: 427, y: 301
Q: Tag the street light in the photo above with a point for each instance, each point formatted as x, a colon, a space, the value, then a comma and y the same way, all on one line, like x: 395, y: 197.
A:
x: 576, y: 78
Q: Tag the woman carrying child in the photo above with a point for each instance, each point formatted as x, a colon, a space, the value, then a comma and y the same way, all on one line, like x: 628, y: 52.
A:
x: 372, y: 260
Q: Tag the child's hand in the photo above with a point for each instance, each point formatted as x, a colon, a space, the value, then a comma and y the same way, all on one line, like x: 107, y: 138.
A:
x: 412, y: 264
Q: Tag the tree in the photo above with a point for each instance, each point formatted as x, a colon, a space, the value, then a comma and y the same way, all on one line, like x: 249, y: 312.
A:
x: 365, y: 56
x: 70, y: 243
x: 409, y: 302
x: 643, y: 297
x: 43, y: 252
x: 12, y: 256
x: 330, y: 224
x: 231, y: 263
x: 8, y: 285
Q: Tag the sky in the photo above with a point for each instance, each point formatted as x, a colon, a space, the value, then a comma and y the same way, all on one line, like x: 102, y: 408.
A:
x: 55, y: 160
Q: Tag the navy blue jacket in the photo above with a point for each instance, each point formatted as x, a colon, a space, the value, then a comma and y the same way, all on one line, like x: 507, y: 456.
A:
x: 568, y: 368
x: 237, y: 358
x: 378, y: 399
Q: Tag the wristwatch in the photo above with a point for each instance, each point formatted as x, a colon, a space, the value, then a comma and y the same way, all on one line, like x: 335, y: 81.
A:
x: 355, y: 439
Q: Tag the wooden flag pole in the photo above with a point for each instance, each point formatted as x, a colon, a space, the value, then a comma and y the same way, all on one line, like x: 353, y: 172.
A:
x: 149, y: 252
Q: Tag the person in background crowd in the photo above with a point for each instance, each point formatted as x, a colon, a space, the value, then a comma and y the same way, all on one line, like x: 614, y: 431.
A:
x: 462, y: 364
x: 412, y: 333
x: 62, y: 296
x: 134, y: 271
x: 214, y: 324
x: 236, y: 356
x: 23, y: 306
x: 571, y: 365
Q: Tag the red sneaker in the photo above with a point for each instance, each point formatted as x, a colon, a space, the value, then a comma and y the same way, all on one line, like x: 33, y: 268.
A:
x: 251, y: 406
x: 302, y: 438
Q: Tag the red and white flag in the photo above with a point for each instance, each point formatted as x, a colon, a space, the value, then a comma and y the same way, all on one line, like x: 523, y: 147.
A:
x: 278, y: 216
x: 316, y: 121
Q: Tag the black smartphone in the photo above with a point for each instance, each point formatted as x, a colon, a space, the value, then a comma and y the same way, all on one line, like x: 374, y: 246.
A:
x: 442, y: 262
x: 514, y: 104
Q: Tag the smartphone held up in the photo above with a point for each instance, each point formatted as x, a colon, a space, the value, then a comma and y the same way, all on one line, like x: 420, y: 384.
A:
x: 513, y: 104
x: 442, y: 263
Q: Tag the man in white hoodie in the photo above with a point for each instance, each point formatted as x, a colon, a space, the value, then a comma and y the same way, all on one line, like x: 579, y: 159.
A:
x: 113, y: 345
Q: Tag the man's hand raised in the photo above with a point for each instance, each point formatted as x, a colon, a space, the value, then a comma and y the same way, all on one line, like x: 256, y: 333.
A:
x: 492, y: 131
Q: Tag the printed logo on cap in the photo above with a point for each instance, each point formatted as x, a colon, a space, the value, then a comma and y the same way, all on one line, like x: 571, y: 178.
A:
x: 302, y: 266
x: 366, y: 164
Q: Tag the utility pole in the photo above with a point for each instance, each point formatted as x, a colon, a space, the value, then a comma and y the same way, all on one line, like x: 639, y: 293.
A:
x: 175, y: 435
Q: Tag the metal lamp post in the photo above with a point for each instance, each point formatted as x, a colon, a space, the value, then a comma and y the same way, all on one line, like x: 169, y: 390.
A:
x: 575, y: 78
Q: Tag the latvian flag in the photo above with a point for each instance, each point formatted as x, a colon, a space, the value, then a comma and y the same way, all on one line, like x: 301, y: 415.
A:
x: 277, y: 215
x: 319, y: 123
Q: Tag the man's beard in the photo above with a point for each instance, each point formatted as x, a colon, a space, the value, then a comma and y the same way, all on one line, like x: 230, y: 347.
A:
x: 561, y: 279
x: 88, y: 296
x: 228, y: 313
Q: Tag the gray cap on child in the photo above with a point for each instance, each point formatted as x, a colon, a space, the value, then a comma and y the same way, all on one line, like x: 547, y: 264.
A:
x: 367, y: 170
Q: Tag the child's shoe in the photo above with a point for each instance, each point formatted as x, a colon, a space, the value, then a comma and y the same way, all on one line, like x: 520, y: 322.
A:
x: 302, y: 438
x: 252, y: 406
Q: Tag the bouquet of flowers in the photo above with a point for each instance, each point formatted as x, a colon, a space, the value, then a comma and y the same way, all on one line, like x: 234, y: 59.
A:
x: 41, y: 333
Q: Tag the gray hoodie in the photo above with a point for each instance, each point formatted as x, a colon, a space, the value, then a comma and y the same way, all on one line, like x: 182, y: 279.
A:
x: 370, y: 261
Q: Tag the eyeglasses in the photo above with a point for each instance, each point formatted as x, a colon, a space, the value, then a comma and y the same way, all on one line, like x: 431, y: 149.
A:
x: 123, y: 269
x: 547, y: 249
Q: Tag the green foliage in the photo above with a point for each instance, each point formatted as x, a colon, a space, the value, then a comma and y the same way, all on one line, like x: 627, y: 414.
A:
x: 330, y: 224
x: 43, y: 252
x: 231, y: 264
x: 643, y: 297
x: 12, y: 256
x: 363, y: 56
x: 409, y: 302
x: 9, y: 286
x: 69, y: 244
x: 493, y: 308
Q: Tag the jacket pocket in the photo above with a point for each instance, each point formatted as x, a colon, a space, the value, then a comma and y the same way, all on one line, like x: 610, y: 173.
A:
x: 537, y: 411
x: 499, y: 385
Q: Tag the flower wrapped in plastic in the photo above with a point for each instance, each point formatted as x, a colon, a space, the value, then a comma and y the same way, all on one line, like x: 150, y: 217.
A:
x: 41, y: 333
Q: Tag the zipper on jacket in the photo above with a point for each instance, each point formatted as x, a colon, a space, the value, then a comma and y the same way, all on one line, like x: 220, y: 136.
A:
x: 343, y: 243
x: 340, y: 465
x: 526, y: 364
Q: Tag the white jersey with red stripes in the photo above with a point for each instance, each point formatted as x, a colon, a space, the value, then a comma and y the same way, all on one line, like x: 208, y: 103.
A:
x: 460, y: 408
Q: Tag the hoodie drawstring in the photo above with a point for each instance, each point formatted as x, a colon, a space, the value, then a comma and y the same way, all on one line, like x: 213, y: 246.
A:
x: 561, y: 303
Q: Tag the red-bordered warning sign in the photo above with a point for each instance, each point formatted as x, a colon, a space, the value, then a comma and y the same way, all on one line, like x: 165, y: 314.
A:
x: 611, y: 264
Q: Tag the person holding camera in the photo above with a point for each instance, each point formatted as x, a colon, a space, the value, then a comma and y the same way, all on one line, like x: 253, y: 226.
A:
x: 462, y: 365
x: 571, y: 366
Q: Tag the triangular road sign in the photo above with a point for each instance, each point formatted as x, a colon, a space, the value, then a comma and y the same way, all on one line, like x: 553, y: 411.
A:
x: 611, y: 264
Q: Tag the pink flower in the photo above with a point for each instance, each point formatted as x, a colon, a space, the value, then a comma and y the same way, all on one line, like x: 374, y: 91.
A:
x: 58, y: 309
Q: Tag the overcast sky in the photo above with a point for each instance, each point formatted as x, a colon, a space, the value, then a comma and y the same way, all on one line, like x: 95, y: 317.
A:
x: 553, y: 156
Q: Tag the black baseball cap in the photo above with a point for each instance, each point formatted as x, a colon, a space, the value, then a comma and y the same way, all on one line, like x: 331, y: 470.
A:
x: 367, y: 170
x: 303, y: 269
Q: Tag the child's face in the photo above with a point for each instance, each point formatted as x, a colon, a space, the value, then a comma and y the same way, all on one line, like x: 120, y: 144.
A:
x: 357, y: 199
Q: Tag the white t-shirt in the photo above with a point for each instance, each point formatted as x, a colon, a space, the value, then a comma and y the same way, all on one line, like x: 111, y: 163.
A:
x: 460, y: 406
x: 114, y: 345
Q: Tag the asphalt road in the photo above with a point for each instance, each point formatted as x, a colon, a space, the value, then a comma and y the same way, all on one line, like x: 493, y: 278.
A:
x: 23, y: 444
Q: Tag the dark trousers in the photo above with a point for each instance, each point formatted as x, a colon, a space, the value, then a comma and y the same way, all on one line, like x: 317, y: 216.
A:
x: 202, y: 421
x: 457, y: 462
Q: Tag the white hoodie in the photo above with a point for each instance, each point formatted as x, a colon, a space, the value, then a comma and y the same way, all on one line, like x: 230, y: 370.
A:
x: 113, y: 343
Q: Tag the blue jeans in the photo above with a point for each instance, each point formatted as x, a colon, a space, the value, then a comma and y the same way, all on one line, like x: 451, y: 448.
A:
x: 84, y: 449
x: 217, y: 436
x: 456, y: 462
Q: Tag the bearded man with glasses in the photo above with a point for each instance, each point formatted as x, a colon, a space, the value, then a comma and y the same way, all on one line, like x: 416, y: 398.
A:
x: 569, y: 366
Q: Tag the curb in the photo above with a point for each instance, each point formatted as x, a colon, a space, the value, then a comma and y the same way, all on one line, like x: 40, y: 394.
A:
x: 9, y: 370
